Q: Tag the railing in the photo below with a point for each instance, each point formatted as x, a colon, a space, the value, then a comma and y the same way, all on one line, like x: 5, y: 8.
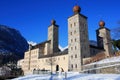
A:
x: 41, y: 72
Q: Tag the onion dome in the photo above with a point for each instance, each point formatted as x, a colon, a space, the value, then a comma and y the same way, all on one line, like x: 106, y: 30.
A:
x: 53, y: 22
x: 101, y: 23
x: 76, y: 9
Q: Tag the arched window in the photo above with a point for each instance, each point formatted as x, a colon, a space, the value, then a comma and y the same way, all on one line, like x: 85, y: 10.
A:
x: 57, y: 67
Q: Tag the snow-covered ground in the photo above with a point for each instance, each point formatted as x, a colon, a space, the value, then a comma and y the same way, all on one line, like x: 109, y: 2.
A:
x: 107, y: 60
x: 71, y: 76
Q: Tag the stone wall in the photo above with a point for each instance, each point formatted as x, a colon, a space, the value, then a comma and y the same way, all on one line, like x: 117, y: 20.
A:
x: 105, y: 68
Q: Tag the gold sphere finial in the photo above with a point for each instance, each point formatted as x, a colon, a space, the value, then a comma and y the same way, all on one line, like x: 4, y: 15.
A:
x: 101, y: 23
x: 53, y: 22
x: 76, y: 9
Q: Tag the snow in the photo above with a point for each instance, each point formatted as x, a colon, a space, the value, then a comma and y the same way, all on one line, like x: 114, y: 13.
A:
x: 71, y: 76
x: 107, y: 60
x: 62, y: 49
x: 32, y: 43
x: 97, y: 77
x: 33, y: 77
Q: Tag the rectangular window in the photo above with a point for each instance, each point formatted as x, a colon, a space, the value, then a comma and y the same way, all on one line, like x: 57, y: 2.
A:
x: 75, y: 65
x: 71, y: 57
x: 64, y: 58
x: 70, y: 33
x: 71, y: 25
x: 75, y: 47
x: 75, y: 32
x: 76, y: 56
x: 85, y: 24
x: 71, y: 65
x: 74, y: 24
x: 75, y: 39
x: 71, y: 40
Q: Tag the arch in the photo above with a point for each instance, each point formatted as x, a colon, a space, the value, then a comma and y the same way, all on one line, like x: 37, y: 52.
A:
x: 57, y: 67
x: 34, y: 71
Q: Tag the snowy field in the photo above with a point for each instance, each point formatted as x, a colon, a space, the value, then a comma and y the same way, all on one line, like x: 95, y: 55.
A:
x: 71, y: 76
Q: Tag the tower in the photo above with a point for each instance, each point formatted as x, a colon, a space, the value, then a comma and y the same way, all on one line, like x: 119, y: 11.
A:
x: 53, y: 37
x: 104, y: 38
x: 99, y: 37
x: 78, y: 44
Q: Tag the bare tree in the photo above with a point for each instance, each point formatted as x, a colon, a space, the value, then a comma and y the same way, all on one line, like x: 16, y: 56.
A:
x: 116, y: 31
x: 51, y: 61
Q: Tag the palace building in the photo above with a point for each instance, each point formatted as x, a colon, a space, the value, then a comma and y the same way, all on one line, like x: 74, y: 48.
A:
x: 47, y: 55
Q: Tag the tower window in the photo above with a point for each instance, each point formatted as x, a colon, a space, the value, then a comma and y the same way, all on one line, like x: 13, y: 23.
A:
x: 71, y: 65
x: 64, y: 58
x: 75, y: 47
x: 75, y: 65
x: 76, y: 56
x: 71, y: 33
x: 71, y: 57
x: 71, y: 25
x: 75, y: 39
x: 71, y: 40
x: 74, y: 24
x: 71, y: 48
x: 75, y: 32
x: 84, y: 24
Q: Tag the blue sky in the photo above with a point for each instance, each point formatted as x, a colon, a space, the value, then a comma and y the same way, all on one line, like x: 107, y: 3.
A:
x: 32, y: 17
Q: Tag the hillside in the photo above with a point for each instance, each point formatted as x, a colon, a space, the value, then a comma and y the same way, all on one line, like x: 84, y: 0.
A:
x: 12, y: 44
